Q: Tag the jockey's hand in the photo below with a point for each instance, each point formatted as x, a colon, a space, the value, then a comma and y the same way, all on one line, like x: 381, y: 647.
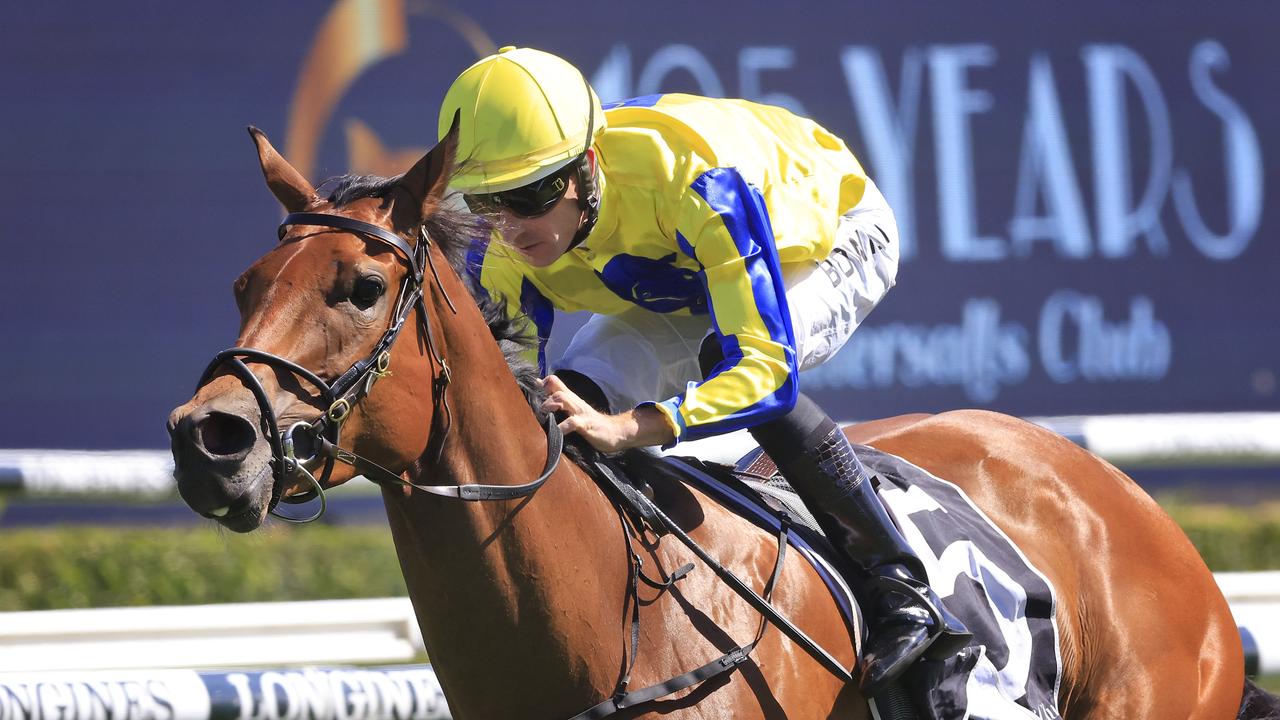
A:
x: 607, y: 433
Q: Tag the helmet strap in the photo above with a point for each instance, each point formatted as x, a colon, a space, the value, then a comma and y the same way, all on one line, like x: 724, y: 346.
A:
x: 588, y: 195
x: 588, y: 200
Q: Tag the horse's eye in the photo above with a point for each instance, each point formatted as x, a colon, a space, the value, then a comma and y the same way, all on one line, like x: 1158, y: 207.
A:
x: 367, y: 291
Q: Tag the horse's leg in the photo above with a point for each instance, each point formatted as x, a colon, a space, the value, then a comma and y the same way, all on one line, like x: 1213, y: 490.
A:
x: 1165, y: 644
x: 1154, y: 635
x: 1144, y: 631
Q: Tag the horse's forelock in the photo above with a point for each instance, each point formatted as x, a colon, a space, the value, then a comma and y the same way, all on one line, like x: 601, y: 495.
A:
x: 450, y: 226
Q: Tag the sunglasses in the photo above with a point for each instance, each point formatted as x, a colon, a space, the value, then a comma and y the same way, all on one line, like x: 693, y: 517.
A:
x: 536, y: 198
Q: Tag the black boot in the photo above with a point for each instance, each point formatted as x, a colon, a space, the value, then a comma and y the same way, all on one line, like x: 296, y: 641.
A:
x: 906, y: 617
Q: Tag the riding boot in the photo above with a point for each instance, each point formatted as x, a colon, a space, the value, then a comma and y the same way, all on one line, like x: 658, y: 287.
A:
x: 906, y: 617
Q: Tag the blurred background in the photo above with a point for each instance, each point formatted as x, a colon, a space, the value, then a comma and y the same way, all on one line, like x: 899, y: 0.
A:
x: 1086, y: 194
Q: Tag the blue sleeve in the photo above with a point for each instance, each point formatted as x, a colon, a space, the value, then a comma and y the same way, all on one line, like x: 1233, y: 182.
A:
x: 725, y: 227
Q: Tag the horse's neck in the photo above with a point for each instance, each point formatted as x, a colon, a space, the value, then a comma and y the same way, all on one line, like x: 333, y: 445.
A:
x: 511, y: 593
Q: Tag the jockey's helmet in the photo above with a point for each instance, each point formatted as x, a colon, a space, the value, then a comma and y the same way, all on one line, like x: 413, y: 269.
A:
x: 523, y: 115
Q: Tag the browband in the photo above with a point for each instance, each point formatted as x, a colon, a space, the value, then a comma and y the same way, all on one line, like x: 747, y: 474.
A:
x: 346, y: 223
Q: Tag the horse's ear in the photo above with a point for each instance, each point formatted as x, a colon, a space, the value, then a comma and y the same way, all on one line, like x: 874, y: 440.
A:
x: 287, y: 184
x: 427, y: 181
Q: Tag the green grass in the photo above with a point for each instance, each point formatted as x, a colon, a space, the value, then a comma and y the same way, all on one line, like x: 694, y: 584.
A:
x: 82, y: 567
x: 77, y: 567
x: 1230, y: 537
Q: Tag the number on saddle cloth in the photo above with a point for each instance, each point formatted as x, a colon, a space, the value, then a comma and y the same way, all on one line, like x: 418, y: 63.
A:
x: 1012, y: 666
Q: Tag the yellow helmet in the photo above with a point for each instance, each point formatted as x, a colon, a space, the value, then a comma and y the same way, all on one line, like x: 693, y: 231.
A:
x: 524, y: 114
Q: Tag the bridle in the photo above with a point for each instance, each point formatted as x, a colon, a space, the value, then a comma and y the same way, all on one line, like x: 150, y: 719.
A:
x: 298, y: 450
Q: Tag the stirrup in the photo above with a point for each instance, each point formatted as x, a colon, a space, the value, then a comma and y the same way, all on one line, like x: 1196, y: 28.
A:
x: 948, y: 635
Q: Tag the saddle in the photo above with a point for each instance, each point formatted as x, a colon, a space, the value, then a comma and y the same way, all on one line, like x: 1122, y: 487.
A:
x: 752, y: 488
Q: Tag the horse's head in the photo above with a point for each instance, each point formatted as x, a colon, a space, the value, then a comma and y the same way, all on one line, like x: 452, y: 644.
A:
x: 321, y: 306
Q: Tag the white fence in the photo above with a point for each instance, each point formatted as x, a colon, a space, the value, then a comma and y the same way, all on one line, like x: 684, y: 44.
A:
x: 394, y: 693
x: 1255, y: 604
x: 87, y: 664
x: 145, y: 473
x: 99, y: 664
x: 1176, y: 439
x: 320, y: 632
x: 1152, y: 440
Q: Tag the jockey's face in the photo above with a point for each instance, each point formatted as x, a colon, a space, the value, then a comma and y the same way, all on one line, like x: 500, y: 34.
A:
x: 543, y: 239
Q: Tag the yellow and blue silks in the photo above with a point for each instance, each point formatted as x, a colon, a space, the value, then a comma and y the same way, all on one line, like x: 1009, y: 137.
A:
x: 704, y: 203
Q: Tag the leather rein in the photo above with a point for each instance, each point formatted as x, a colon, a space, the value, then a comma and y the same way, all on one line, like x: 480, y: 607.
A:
x: 297, y: 451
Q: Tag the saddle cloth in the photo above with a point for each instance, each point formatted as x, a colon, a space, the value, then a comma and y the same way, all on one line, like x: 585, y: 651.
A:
x: 1011, y: 670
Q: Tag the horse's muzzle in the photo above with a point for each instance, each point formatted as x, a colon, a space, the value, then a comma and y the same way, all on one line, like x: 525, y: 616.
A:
x: 222, y: 464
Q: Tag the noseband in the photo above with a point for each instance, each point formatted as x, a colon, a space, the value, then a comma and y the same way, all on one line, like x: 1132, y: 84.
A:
x: 296, y: 451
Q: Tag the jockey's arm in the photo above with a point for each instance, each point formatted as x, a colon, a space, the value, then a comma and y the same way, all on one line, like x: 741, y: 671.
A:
x: 639, y: 427
x: 724, y: 225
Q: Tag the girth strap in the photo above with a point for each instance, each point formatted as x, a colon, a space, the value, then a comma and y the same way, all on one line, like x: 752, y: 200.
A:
x: 725, y: 663
x: 761, y: 605
x: 722, y: 664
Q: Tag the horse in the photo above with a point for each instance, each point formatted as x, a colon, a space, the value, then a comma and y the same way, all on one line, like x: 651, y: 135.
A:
x: 527, y: 601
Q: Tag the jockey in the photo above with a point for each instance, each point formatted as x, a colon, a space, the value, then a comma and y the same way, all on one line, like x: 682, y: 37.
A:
x: 724, y: 246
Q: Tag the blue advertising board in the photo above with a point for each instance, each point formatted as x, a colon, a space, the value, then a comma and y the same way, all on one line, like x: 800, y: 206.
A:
x: 1086, y: 191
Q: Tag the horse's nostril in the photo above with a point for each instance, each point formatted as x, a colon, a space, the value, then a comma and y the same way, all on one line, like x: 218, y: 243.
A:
x: 223, y: 434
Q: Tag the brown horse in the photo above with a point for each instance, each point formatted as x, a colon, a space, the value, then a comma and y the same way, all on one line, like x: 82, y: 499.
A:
x: 523, y: 602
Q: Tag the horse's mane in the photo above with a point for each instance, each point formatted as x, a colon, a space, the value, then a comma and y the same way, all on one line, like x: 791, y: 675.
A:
x: 454, y: 231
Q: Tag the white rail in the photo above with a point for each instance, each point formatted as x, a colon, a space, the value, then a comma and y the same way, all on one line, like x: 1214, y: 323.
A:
x: 1159, y: 439
x: 87, y: 664
x: 390, y: 693
x: 1255, y: 604
x: 147, y: 473
x: 1176, y: 439
x: 322, y: 632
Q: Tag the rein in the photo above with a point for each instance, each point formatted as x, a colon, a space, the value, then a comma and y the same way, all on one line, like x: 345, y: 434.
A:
x: 296, y: 451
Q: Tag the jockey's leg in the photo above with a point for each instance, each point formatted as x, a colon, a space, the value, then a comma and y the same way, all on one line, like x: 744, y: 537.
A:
x: 827, y: 301
x: 906, y: 617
